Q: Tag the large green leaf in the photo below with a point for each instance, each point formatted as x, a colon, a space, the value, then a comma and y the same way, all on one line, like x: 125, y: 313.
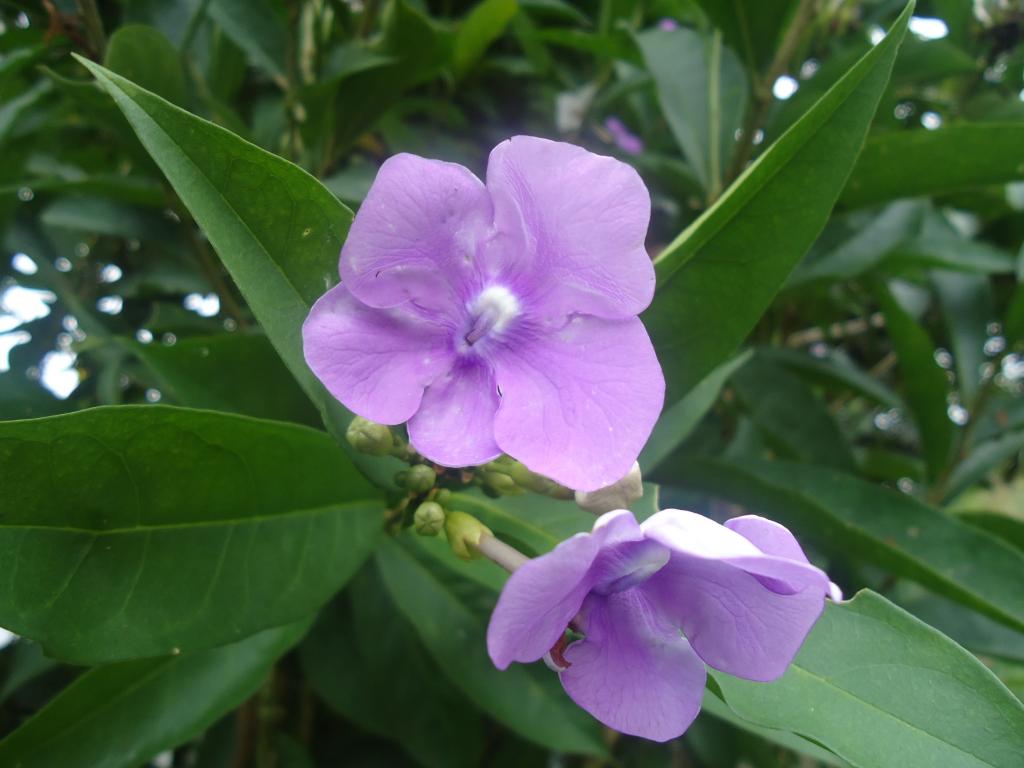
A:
x: 235, y: 372
x: 275, y: 227
x: 916, y: 163
x: 676, y: 423
x: 703, y: 92
x: 983, y: 458
x: 360, y: 641
x: 716, y: 279
x: 848, y: 516
x: 254, y: 27
x: 120, y: 715
x: 862, y: 244
x: 144, y: 56
x: 967, y: 305
x: 924, y: 382
x: 834, y: 370
x: 881, y: 689
x: 134, y: 531
x: 527, y: 699
x: 481, y: 27
x: 787, y: 411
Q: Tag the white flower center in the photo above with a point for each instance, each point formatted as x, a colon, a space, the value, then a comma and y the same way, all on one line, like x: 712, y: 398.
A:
x: 492, y: 311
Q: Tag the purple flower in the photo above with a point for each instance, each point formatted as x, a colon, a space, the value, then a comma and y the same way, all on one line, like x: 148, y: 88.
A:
x: 668, y: 24
x: 499, y: 318
x: 654, y: 603
x: 624, y: 139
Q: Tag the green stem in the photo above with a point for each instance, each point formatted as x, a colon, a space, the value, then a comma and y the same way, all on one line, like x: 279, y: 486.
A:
x: 763, y: 87
x: 93, y: 26
x: 193, y: 26
x: 715, y: 118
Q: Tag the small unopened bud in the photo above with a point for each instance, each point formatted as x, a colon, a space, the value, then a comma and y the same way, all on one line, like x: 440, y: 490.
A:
x: 429, y: 518
x: 618, y: 495
x: 500, y: 482
x: 369, y: 437
x: 531, y: 481
x: 419, y: 478
x: 464, y: 533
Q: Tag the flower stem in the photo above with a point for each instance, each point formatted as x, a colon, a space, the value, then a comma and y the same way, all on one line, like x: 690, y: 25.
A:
x: 501, y: 553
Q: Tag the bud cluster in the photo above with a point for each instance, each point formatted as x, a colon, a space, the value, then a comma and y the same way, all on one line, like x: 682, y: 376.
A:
x: 508, y: 477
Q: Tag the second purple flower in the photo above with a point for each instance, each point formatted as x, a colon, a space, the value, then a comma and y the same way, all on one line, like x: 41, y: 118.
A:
x: 500, y: 317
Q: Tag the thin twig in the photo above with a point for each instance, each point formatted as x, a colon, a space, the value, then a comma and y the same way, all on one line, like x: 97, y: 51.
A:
x: 763, y: 87
x: 93, y: 26
x: 843, y: 330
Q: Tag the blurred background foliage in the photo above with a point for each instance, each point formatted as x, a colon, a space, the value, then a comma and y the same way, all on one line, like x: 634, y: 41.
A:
x: 880, y: 385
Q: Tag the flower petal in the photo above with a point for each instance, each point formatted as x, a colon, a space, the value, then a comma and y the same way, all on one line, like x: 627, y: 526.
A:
x: 576, y: 221
x: 633, y: 671
x: 542, y: 597
x: 455, y: 423
x: 416, y: 235
x: 745, y: 612
x: 578, y: 404
x: 375, y: 361
x: 768, y: 536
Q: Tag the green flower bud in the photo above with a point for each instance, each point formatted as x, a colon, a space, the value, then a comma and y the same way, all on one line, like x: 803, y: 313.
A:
x: 429, y: 518
x: 369, y: 437
x: 419, y: 478
x: 500, y: 482
x: 531, y: 481
x: 464, y: 533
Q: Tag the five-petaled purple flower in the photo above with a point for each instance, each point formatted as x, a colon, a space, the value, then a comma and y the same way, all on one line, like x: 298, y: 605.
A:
x: 499, y: 318
x: 654, y: 603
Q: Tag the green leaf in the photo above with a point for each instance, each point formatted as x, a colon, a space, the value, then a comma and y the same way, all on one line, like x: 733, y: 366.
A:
x: 1009, y: 529
x: 835, y: 370
x: 866, y: 245
x: 717, y: 278
x: 961, y: 255
x: 851, y: 517
x: 236, y: 372
x: 752, y: 28
x: 484, y: 24
x: 923, y: 61
x: 978, y: 634
x: 453, y: 632
x: 144, y: 56
x: 677, y: 422
x: 276, y: 228
x: 982, y: 459
x: 119, y: 716
x: 417, y: 49
x: 94, y: 215
x: 132, y: 531
x: 13, y: 109
x: 967, y: 305
x: 360, y: 641
x: 880, y: 688
x: 924, y: 382
x: 256, y: 29
x: 21, y: 662
x: 917, y: 163
x: 794, y: 419
x: 703, y: 92
x: 715, y: 707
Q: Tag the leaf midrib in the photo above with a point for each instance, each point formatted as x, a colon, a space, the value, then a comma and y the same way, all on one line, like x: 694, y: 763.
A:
x: 226, y: 522
x: 828, y: 683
